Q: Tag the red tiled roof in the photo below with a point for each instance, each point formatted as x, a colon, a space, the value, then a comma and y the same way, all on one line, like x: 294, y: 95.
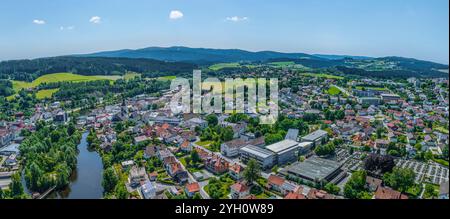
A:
x: 193, y: 187
x: 276, y: 180
x: 293, y: 195
x: 239, y: 187
x: 388, y: 193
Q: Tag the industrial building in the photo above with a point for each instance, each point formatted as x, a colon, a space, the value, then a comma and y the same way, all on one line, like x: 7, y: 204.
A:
x: 285, y: 151
x: 316, y: 137
x: 265, y: 158
x: 316, y: 170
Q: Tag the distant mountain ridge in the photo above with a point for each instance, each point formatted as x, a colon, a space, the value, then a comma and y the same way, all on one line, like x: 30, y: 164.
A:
x: 199, y: 55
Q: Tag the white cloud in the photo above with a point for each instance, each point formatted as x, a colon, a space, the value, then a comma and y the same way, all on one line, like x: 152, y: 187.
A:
x: 39, y: 22
x: 67, y: 28
x: 236, y: 18
x: 95, y: 20
x: 175, y: 14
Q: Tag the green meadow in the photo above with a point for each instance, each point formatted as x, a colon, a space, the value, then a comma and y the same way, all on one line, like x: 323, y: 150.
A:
x: 219, y: 66
x: 321, y: 75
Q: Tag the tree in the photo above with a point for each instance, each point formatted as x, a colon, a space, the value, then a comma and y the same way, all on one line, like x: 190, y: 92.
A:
x: 275, y: 169
x: 195, y: 157
x: 332, y: 188
x: 212, y: 120
x: 445, y: 152
x: 121, y: 191
x: 252, y: 171
x: 197, y: 196
x: 325, y: 149
x: 400, y: 179
x: 71, y: 129
x: 430, y: 192
x: 227, y: 134
x: 2, y: 194
x: 110, y: 180
x: 379, y: 163
x: 16, y: 186
x: 355, y: 186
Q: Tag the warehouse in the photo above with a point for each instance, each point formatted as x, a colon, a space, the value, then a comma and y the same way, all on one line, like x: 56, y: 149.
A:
x: 315, y: 170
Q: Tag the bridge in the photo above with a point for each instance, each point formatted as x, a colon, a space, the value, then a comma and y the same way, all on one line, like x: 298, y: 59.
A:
x: 45, y: 194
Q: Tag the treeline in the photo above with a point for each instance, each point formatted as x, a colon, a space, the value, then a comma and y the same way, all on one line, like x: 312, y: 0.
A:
x: 393, y: 73
x: 128, y: 88
x: 6, y: 88
x: 28, y: 70
x: 49, y: 156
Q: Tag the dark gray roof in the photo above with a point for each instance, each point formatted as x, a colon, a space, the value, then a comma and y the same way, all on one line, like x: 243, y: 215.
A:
x: 260, y: 152
x: 292, y: 134
x: 282, y: 146
x: 314, y: 168
x: 315, y: 135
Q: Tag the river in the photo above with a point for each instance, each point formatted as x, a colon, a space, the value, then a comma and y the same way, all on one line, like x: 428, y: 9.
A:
x: 86, y: 180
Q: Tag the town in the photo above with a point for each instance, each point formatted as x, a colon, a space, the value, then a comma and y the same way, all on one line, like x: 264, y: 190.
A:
x: 335, y: 138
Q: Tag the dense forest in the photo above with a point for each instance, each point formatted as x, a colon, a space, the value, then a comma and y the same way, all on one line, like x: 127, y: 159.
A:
x: 392, y: 73
x: 6, y: 87
x: 28, y: 70
x: 49, y: 155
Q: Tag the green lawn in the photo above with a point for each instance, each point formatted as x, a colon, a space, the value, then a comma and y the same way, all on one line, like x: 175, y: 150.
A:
x: 371, y: 88
x: 53, y: 78
x: 131, y: 75
x: 321, y: 75
x: 42, y: 94
x: 333, y: 90
x: 220, y: 187
x: 426, y: 195
x: 441, y: 129
x: 282, y: 64
x: 204, y: 143
x: 167, y: 78
x: 57, y: 77
x: 219, y: 66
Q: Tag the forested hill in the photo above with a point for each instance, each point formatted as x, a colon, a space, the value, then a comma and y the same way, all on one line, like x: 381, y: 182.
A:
x: 27, y: 70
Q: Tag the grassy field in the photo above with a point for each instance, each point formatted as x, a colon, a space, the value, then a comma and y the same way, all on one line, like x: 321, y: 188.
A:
x: 219, y: 66
x: 327, y: 76
x: 371, y: 88
x: 282, y: 64
x: 441, y: 129
x: 53, y: 78
x: 167, y: 78
x: 204, y: 143
x: 333, y: 90
x: 42, y: 94
x: 57, y: 77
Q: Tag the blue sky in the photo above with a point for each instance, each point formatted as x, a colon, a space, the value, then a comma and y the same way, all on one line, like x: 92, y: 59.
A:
x: 409, y: 28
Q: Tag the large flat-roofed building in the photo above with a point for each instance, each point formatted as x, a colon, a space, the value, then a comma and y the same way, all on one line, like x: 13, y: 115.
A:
x: 305, y: 147
x: 285, y: 151
x: 265, y: 158
x: 315, y: 170
x: 389, y: 97
x: 369, y: 101
x: 316, y: 137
